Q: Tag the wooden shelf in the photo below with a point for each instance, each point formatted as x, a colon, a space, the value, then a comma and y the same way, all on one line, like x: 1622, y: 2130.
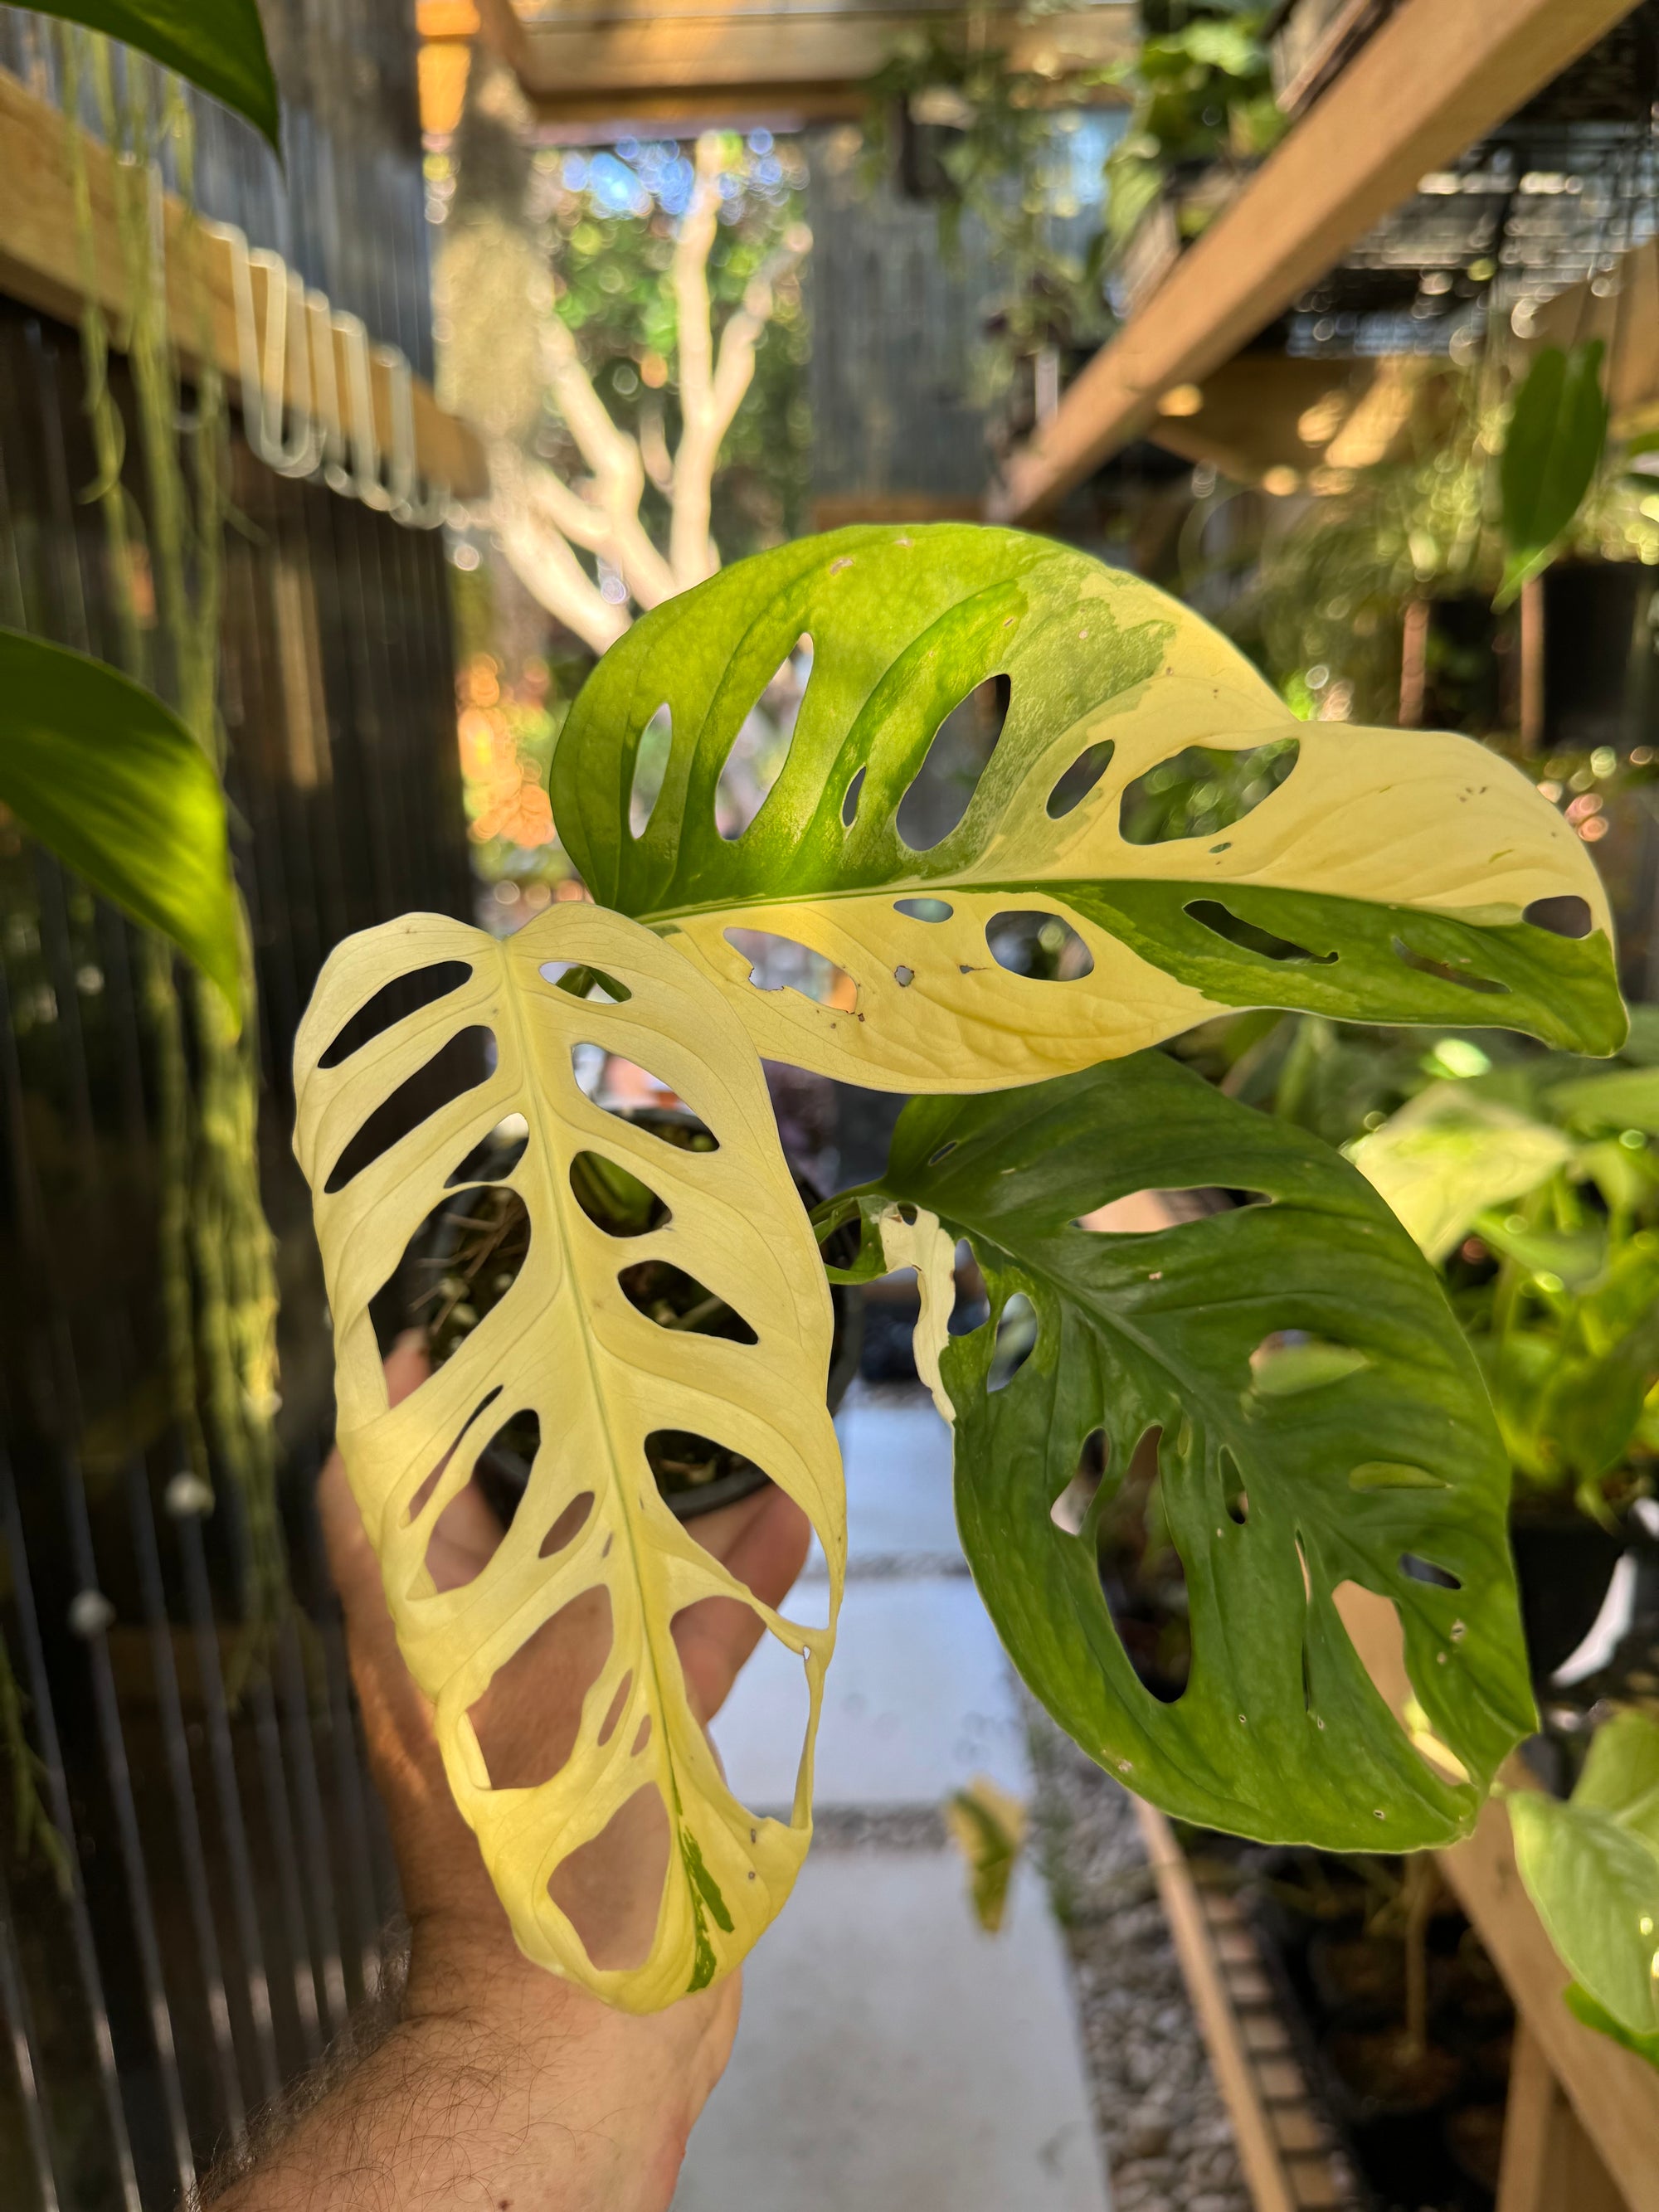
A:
x: 1604, y: 2091
x: 668, y: 61
x: 41, y: 265
x: 1436, y: 76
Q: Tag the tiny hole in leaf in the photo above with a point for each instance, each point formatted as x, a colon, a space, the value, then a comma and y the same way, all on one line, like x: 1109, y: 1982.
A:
x: 495, y: 1157
x: 849, y: 805
x: 1564, y: 914
x: 1143, y: 1578
x: 673, y: 1299
x: 1071, y: 1509
x: 943, y: 1152
x: 904, y: 977
x: 1038, y: 945
x: 1080, y: 779
x: 1447, y: 973
x: 616, y: 1708
x: 1249, y: 936
x: 393, y: 1002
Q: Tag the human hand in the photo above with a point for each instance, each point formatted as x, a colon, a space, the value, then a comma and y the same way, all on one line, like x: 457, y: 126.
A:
x: 503, y: 2086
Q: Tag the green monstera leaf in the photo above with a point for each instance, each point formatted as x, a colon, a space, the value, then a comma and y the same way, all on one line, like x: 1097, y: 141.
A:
x: 219, y: 45
x: 1387, y: 877
x: 1381, y: 1467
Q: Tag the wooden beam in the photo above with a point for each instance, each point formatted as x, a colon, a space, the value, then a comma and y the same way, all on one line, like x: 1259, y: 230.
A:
x: 1435, y: 78
x: 41, y: 265
x: 1549, y: 2160
x: 672, y: 60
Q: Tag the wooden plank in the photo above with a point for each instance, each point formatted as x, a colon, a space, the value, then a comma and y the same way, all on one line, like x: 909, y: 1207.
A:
x: 1549, y: 2160
x: 41, y: 265
x: 1226, y: 2042
x: 1615, y: 2095
x: 642, y: 57
x: 1437, y: 76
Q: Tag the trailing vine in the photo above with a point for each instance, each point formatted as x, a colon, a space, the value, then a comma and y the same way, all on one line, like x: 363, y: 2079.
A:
x: 217, y: 1278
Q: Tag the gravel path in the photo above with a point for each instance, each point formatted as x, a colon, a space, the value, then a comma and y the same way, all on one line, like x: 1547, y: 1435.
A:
x: 1168, y: 2140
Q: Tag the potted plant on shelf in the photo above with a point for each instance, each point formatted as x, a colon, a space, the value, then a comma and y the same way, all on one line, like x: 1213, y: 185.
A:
x: 1385, y: 876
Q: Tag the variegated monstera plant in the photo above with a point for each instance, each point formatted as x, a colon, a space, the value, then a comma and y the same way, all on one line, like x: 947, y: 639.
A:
x: 1392, y: 876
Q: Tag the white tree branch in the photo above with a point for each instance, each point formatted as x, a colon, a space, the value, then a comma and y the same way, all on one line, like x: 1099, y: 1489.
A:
x: 540, y: 555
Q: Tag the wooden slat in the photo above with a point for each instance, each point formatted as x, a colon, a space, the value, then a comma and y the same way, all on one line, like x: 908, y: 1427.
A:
x: 1549, y: 2163
x: 40, y: 265
x: 675, y: 60
x: 1437, y: 76
x: 1228, y: 2041
x: 1615, y: 2096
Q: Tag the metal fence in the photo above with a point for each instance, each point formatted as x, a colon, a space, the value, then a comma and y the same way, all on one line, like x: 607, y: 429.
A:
x: 227, y: 1875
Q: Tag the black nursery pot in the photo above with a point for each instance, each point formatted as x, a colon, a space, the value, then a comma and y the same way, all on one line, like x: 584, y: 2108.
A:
x: 473, y: 1247
x: 1563, y: 1563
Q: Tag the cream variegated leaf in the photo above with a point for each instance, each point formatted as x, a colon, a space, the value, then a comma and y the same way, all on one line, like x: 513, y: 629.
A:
x: 912, y: 1238
x: 566, y: 1344
x: 1388, y: 876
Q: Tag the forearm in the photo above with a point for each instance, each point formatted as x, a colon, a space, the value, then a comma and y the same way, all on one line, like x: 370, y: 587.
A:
x: 514, y: 2111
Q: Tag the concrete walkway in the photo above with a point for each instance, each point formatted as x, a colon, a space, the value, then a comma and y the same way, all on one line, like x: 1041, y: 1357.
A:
x: 893, y: 2058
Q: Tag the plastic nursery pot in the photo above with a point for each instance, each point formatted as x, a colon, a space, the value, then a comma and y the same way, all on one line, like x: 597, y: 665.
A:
x: 470, y: 1258
x: 1563, y: 1562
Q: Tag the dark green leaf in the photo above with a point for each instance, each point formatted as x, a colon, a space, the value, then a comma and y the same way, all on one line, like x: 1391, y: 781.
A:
x: 1558, y: 431
x: 219, y: 45
x: 109, y: 780
x: 1390, y: 1461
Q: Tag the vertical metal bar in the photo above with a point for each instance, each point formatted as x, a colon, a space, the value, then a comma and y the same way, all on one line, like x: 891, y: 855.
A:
x: 86, y: 1956
x: 199, y: 1600
x: 18, y: 2017
x: 107, y: 1709
x: 268, y: 1743
x: 303, y: 1759
x: 198, y: 1895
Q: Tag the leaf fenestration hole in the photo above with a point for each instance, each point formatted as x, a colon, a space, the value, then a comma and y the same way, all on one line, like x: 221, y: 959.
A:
x: 1152, y: 1212
x: 614, y: 1199
x: 784, y: 963
x: 610, y: 1889
x: 393, y: 1002
x: 1071, y: 1509
x: 673, y: 1299
x: 582, y: 983
x: 467, y: 1534
x: 650, y: 769
x: 494, y: 1157
x: 850, y: 798
x: 1143, y: 1577
x: 942, y: 1153
x: 1016, y: 1339
x: 529, y: 1719
x: 1392, y: 1474
x: 624, y: 1087
x: 942, y: 789
x: 1249, y: 937
x: 462, y: 1261
x: 1080, y: 779
x: 1203, y: 788
x: 761, y: 745
x: 617, y: 1707
x: 1564, y: 914
x: 459, y: 1065
x: 924, y: 909
x: 568, y: 1526
x: 423, y: 1495
x: 1040, y: 947
x: 1445, y: 970
x: 1419, y: 1570
x: 904, y: 977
